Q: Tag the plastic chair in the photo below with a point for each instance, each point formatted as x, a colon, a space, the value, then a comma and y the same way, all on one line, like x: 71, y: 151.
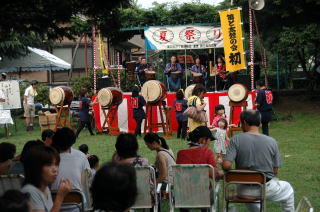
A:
x: 192, y: 187
x: 8, y: 182
x: 147, y: 189
x: 236, y: 187
x: 73, y: 198
x: 304, y: 205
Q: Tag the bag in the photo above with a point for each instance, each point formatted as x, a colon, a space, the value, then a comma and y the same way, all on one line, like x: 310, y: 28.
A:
x: 193, y: 113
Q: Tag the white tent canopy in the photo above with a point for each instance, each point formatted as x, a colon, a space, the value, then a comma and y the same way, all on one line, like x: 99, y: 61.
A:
x: 35, y: 60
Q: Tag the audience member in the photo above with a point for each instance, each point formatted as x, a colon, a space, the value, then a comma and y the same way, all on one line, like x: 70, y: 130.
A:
x: 15, y: 201
x: 114, y: 188
x: 196, y: 100
x: 46, y: 136
x: 94, y: 163
x: 41, y: 169
x: 73, y: 163
x: 254, y: 151
x: 17, y: 165
x: 84, y: 149
x: 127, y: 151
x: 165, y: 157
x: 198, y: 151
x: 7, y: 152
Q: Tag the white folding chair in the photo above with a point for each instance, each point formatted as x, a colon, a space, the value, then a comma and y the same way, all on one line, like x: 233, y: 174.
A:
x: 192, y: 187
x: 304, y: 205
x: 73, y: 198
x: 86, y: 179
x: 147, y: 189
x: 8, y: 182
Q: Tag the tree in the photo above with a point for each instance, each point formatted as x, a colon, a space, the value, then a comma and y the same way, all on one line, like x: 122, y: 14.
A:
x: 36, y: 23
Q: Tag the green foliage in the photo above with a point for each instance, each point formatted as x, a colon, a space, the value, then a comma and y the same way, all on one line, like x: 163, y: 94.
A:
x: 43, y: 94
x: 84, y: 82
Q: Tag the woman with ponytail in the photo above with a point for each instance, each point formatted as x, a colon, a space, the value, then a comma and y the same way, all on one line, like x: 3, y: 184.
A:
x: 165, y: 157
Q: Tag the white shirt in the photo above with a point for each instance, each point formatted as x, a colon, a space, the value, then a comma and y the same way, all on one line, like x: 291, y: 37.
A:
x: 39, y: 201
x: 29, y: 95
x: 71, y: 166
x: 2, y: 96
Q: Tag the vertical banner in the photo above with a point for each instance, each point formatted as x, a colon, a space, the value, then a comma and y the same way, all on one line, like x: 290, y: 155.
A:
x: 232, y: 35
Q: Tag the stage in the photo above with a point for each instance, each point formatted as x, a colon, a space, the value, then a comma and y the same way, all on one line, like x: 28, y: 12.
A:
x: 126, y: 123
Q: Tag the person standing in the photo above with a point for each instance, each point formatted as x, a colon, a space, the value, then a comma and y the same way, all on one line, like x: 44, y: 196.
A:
x: 28, y: 104
x: 263, y: 102
x: 219, y: 71
x: 199, y: 69
x: 138, y: 102
x: 140, y: 71
x: 84, y: 115
x: 254, y: 151
x: 180, y: 105
x: 173, y: 71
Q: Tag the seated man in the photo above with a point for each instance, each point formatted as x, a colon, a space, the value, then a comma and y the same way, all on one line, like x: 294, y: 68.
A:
x: 254, y: 151
x: 173, y: 71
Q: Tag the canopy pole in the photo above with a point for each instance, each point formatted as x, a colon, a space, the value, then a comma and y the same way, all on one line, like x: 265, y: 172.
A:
x: 185, y: 66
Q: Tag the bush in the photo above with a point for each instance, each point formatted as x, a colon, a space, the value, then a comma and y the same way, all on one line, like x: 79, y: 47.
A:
x: 84, y: 83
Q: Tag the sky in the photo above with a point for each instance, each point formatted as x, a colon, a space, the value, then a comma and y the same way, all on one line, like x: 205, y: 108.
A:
x: 148, y: 3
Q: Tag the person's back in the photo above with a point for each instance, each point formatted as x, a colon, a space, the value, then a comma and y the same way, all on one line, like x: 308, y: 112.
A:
x: 197, y: 155
x: 256, y: 152
x: 72, y: 165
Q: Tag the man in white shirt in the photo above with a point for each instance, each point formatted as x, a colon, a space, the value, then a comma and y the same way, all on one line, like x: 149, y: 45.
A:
x: 2, y: 99
x: 28, y: 104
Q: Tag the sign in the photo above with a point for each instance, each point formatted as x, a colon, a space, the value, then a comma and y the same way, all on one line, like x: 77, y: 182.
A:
x: 233, y: 45
x: 11, y: 91
x: 183, y: 37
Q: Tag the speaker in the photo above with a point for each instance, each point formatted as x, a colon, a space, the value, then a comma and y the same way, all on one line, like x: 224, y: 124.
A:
x: 244, y: 79
x: 103, y: 83
x: 256, y: 4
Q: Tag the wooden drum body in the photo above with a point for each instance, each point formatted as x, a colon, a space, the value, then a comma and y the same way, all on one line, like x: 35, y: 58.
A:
x: 154, y: 91
x: 110, y: 97
x: 61, y: 95
x: 188, y: 91
x: 238, y: 93
x: 150, y: 75
x: 197, y: 78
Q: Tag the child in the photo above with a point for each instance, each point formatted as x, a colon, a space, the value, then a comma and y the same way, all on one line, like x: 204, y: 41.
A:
x: 219, y: 114
x: 84, y: 116
x: 137, y: 103
x: 221, y: 137
x: 46, y: 136
x: 94, y: 164
x: 84, y: 148
x: 180, y: 105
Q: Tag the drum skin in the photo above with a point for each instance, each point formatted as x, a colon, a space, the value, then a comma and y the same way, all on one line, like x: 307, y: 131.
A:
x: 188, y: 91
x: 61, y: 95
x: 150, y: 75
x: 154, y: 92
x: 238, y: 93
x: 110, y: 96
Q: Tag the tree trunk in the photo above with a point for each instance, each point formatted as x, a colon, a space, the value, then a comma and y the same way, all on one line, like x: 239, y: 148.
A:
x: 73, y: 58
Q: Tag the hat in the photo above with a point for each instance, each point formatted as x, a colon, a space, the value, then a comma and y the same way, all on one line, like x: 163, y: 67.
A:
x: 34, y: 82
x: 199, y: 132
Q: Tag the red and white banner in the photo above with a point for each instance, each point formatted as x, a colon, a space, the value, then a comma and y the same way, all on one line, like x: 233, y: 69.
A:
x: 126, y: 122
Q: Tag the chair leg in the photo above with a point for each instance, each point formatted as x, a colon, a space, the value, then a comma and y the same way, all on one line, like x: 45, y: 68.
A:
x: 227, y: 206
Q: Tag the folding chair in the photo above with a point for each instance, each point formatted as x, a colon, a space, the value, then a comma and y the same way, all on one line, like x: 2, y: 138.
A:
x: 304, y: 205
x: 237, y: 184
x: 86, y: 179
x: 147, y: 189
x: 73, y: 198
x: 8, y: 182
x: 192, y: 187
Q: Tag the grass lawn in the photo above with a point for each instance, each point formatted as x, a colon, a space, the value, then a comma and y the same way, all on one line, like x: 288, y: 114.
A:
x: 297, y: 133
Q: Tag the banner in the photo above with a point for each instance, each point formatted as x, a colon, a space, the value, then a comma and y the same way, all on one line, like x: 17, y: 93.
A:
x: 233, y: 45
x: 183, y: 37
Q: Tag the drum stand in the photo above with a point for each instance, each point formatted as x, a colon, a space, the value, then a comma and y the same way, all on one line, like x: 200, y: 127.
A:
x: 111, y: 119
x: 167, y: 112
x: 62, y: 121
x: 232, y: 105
x: 148, y: 124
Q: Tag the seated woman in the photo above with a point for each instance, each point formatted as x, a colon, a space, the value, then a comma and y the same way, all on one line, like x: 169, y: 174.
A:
x: 165, y: 157
x: 41, y: 170
x: 127, y: 151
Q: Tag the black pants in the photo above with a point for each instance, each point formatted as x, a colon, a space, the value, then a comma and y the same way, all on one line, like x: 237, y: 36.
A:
x: 266, y: 117
x: 138, y: 126
x: 82, y: 125
x: 182, y: 129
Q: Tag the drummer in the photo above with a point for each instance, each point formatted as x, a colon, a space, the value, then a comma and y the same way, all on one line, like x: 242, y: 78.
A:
x: 174, y: 74
x: 140, y: 70
x: 199, y: 72
x: 219, y: 71
x: 84, y: 111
